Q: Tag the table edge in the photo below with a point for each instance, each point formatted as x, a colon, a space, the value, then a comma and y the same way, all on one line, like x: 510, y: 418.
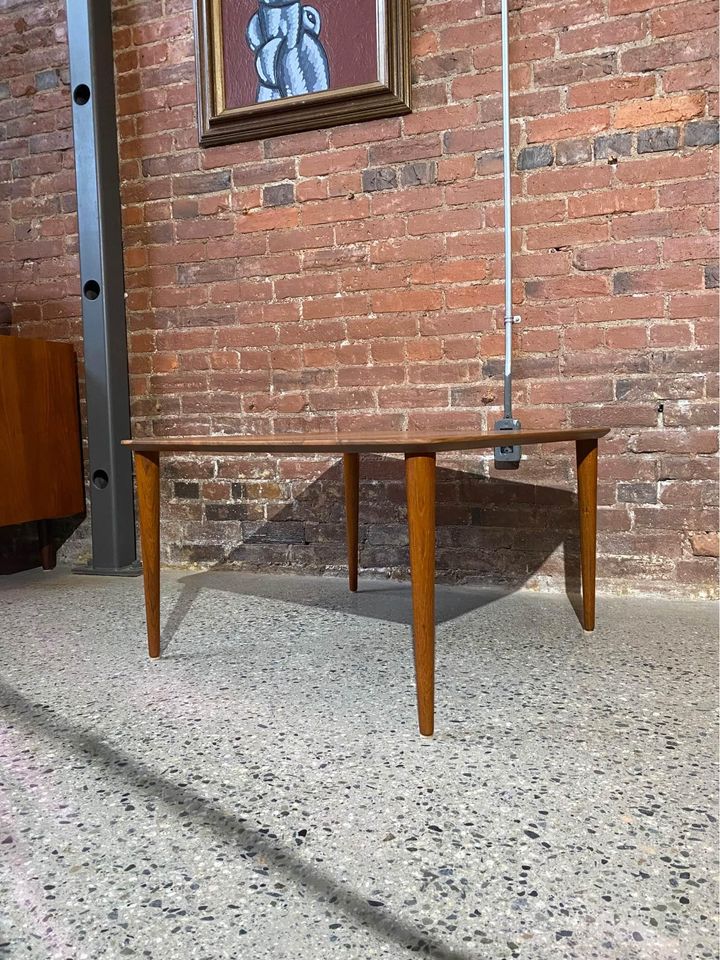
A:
x: 304, y: 444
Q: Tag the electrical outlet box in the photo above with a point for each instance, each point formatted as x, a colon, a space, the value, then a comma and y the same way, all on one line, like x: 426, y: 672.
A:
x: 508, y: 455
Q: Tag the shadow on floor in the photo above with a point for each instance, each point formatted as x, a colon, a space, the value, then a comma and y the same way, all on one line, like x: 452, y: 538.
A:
x: 42, y: 719
x: 19, y: 544
x: 487, y: 527
x: 376, y: 599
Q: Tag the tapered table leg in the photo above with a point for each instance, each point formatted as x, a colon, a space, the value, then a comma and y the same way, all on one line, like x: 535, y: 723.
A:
x: 351, y: 475
x: 48, y: 557
x: 420, y: 485
x: 147, y: 473
x: 587, y: 462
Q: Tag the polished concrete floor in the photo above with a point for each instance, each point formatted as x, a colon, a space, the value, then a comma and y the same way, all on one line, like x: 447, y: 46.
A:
x: 262, y: 791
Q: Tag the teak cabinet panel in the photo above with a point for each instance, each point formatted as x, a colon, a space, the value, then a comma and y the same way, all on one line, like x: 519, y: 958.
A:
x: 41, y: 474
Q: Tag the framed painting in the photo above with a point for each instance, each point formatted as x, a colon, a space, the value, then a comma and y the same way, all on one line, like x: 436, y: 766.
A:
x: 271, y: 67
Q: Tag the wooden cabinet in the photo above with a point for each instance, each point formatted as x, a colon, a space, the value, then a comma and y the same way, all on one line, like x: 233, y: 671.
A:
x: 41, y: 476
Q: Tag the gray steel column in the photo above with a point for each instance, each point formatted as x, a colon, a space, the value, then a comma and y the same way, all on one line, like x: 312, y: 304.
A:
x: 102, y: 286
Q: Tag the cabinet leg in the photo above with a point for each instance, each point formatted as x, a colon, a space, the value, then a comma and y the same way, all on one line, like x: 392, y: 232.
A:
x: 351, y: 475
x: 48, y: 557
x: 587, y: 462
x: 420, y: 485
x: 147, y: 473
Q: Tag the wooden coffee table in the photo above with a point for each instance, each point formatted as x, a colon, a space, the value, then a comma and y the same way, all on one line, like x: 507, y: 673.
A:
x: 420, y: 450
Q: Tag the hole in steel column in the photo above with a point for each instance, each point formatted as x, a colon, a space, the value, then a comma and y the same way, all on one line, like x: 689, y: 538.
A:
x: 81, y: 94
x: 100, y: 479
x: 91, y: 290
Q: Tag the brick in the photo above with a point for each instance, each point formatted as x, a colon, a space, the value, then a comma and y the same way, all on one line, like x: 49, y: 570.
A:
x: 658, y: 388
x: 405, y: 151
x: 649, y: 113
x: 576, y: 123
x: 607, y: 33
x: 449, y: 272
x: 529, y: 212
x: 331, y: 211
x: 401, y: 300
x: 296, y: 144
x: 331, y: 161
x: 648, y: 169
x: 676, y: 441
x: 278, y: 195
x: 443, y: 65
x: 566, y: 70
x: 608, y: 256
x: 530, y: 158
x: 613, y: 145
x: 690, y: 76
x: 380, y: 178
x: 704, y: 544
x: 696, y: 572
x: 543, y: 264
x: 657, y: 55
x: 443, y: 117
x: 418, y: 173
x: 474, y: 192
x: 654, y: 224
x: 647, y: 281
x: 194, y: 229
x: 572, y: 391
x: 573, y: 151
x: 684, y: 18
x: 669, y: 335
x: 192, y: 184
x: 186, y: 490
x: 565, y: 235
x: 684, y: 413
x: 701, y: 133
x: 47, y: 79
x: 566, y: 288
x: 660, y: 138
x: 611, y: 90
x: 611, y: 202
x: 621, y: 308
x: 691, y: 248
x: 637, y: 493
x: 688, y: 193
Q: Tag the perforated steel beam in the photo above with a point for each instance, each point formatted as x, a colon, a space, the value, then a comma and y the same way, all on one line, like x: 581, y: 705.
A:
x: 102, y: 285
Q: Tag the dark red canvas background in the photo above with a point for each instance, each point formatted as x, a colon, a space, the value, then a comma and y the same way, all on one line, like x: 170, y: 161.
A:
x: 348, y: 34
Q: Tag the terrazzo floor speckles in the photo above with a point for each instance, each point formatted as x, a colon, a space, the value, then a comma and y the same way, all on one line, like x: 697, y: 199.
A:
x: 262, y: 791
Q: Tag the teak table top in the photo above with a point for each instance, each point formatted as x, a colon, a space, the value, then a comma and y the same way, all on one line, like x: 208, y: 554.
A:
x: 362, y: 442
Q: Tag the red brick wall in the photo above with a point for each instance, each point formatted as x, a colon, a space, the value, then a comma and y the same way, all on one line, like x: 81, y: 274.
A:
x: 353, y: 277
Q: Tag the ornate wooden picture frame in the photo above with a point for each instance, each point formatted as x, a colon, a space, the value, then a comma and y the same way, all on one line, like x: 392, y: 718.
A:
x: 272, y: 67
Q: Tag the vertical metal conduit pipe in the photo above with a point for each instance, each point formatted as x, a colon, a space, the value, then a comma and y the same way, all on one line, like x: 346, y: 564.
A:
x: 507, y: 457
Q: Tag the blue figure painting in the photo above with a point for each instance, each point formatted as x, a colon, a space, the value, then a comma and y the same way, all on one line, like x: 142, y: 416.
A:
x: 290, y: 59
